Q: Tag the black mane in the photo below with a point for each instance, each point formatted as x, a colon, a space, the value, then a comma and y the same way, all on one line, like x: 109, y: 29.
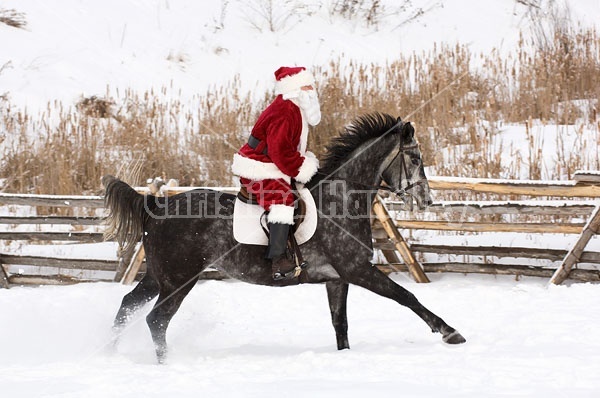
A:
x: 366, y: 127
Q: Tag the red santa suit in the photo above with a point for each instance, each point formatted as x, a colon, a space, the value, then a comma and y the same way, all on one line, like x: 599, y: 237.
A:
x: 276, y: 154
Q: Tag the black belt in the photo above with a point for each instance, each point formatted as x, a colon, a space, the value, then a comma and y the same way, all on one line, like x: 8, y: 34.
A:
x: 254, y: 142
x: 246, y: 196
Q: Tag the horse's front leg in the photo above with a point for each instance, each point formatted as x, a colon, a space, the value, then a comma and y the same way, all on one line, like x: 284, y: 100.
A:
x: 337, y: 293
x: 376, y: 281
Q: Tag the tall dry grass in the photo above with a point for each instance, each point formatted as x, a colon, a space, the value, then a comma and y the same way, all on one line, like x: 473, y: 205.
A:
x: 13, y: 18
x: 456, y: 99
x: 158, y: 137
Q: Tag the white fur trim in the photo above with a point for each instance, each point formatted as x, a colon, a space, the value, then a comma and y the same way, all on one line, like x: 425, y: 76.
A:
x: 281, y: 214
x: 294, y: 82
x: 311, y: 155
x: 308, y: 169
x: 255, y: 170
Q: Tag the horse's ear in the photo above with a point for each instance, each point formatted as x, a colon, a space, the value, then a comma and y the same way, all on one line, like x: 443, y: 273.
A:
x: 408, y: 130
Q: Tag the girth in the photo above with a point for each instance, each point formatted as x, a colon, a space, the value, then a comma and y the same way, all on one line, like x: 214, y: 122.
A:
x: 247, y: 197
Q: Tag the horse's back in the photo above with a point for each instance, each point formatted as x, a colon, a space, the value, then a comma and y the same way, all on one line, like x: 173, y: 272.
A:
x: 193, y: 204
x: 188, y: 230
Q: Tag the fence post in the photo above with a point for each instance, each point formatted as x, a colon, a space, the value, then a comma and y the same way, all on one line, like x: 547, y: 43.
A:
x: 134, y: 265
x: 390, y: 255
x: 124, y: 261
x: 384, y: 218
x: 3, y: 278
x: 591, y: 228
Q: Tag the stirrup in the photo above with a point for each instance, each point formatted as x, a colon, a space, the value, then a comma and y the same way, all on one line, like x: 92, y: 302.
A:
x: 279, y: 276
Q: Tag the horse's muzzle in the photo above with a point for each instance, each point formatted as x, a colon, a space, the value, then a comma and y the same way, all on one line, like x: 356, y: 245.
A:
x: 426, y: 203
x: 423, y: 201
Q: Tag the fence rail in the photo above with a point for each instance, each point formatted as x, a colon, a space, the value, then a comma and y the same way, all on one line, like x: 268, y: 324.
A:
x: 495, y: 251
x: 541, y: 208
x: 55, y: 220
x: 63, y: 263
x: 517, y: 187
x: 83, y: 237
x: 579, y: 275
x: 567, y: 216
x: 51, y: 200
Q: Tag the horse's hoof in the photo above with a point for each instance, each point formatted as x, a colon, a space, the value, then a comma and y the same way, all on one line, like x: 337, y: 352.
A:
x: 161, y: 355
x: 342, y: 343
x: 454, y: 338
x: 111, y: 347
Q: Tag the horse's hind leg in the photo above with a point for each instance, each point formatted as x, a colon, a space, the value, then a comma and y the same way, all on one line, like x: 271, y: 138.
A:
x: 166, y: 306
x: 145, y: 291
x: 374, y: 280
x: 337, y: 293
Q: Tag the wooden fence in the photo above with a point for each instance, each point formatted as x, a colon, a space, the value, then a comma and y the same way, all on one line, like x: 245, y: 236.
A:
x: 575, y: 213
x: 34, y: 235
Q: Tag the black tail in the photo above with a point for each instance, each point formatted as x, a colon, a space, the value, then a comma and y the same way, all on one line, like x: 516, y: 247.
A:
x: 125, y: 221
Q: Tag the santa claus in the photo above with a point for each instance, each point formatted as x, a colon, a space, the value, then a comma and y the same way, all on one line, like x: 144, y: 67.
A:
x: 276, y: 153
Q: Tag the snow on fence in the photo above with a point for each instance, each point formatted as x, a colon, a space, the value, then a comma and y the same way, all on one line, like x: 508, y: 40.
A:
x: 578, y: 215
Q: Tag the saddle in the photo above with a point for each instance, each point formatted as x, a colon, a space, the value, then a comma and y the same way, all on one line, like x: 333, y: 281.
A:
x: 299, y: 205
x: 250, y: 224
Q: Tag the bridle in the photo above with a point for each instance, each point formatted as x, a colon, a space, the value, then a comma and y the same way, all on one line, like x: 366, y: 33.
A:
x: 402, y: 192
x: 403, y: 169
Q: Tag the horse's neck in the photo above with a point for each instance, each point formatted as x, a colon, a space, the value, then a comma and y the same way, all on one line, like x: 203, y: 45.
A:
x: 346, y: 203
x: 356, y: 179
x: 363, y: 165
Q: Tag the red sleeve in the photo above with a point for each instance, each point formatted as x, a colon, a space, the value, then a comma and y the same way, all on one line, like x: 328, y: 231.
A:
x: 282, y: 140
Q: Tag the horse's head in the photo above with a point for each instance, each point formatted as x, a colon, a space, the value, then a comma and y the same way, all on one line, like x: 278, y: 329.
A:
x: 402, y: 169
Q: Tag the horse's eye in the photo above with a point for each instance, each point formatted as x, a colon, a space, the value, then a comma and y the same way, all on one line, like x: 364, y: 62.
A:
x: 416, y: 161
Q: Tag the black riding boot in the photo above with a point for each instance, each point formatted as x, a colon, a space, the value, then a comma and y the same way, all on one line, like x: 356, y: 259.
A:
x: 277, y: 252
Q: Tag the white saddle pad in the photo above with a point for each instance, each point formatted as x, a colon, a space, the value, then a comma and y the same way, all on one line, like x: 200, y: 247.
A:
x: 247, y: 227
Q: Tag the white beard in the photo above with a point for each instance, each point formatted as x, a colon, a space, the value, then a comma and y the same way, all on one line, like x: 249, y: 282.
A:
x: 308, y: 102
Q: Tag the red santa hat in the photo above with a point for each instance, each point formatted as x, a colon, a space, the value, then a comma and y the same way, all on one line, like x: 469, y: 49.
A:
x: 292, y: 78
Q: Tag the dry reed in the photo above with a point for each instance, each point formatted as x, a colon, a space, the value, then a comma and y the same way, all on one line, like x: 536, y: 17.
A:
x: 456, y: 107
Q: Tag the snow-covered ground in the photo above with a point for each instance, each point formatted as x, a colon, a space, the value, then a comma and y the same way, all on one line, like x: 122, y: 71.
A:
x: 235, y: 340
